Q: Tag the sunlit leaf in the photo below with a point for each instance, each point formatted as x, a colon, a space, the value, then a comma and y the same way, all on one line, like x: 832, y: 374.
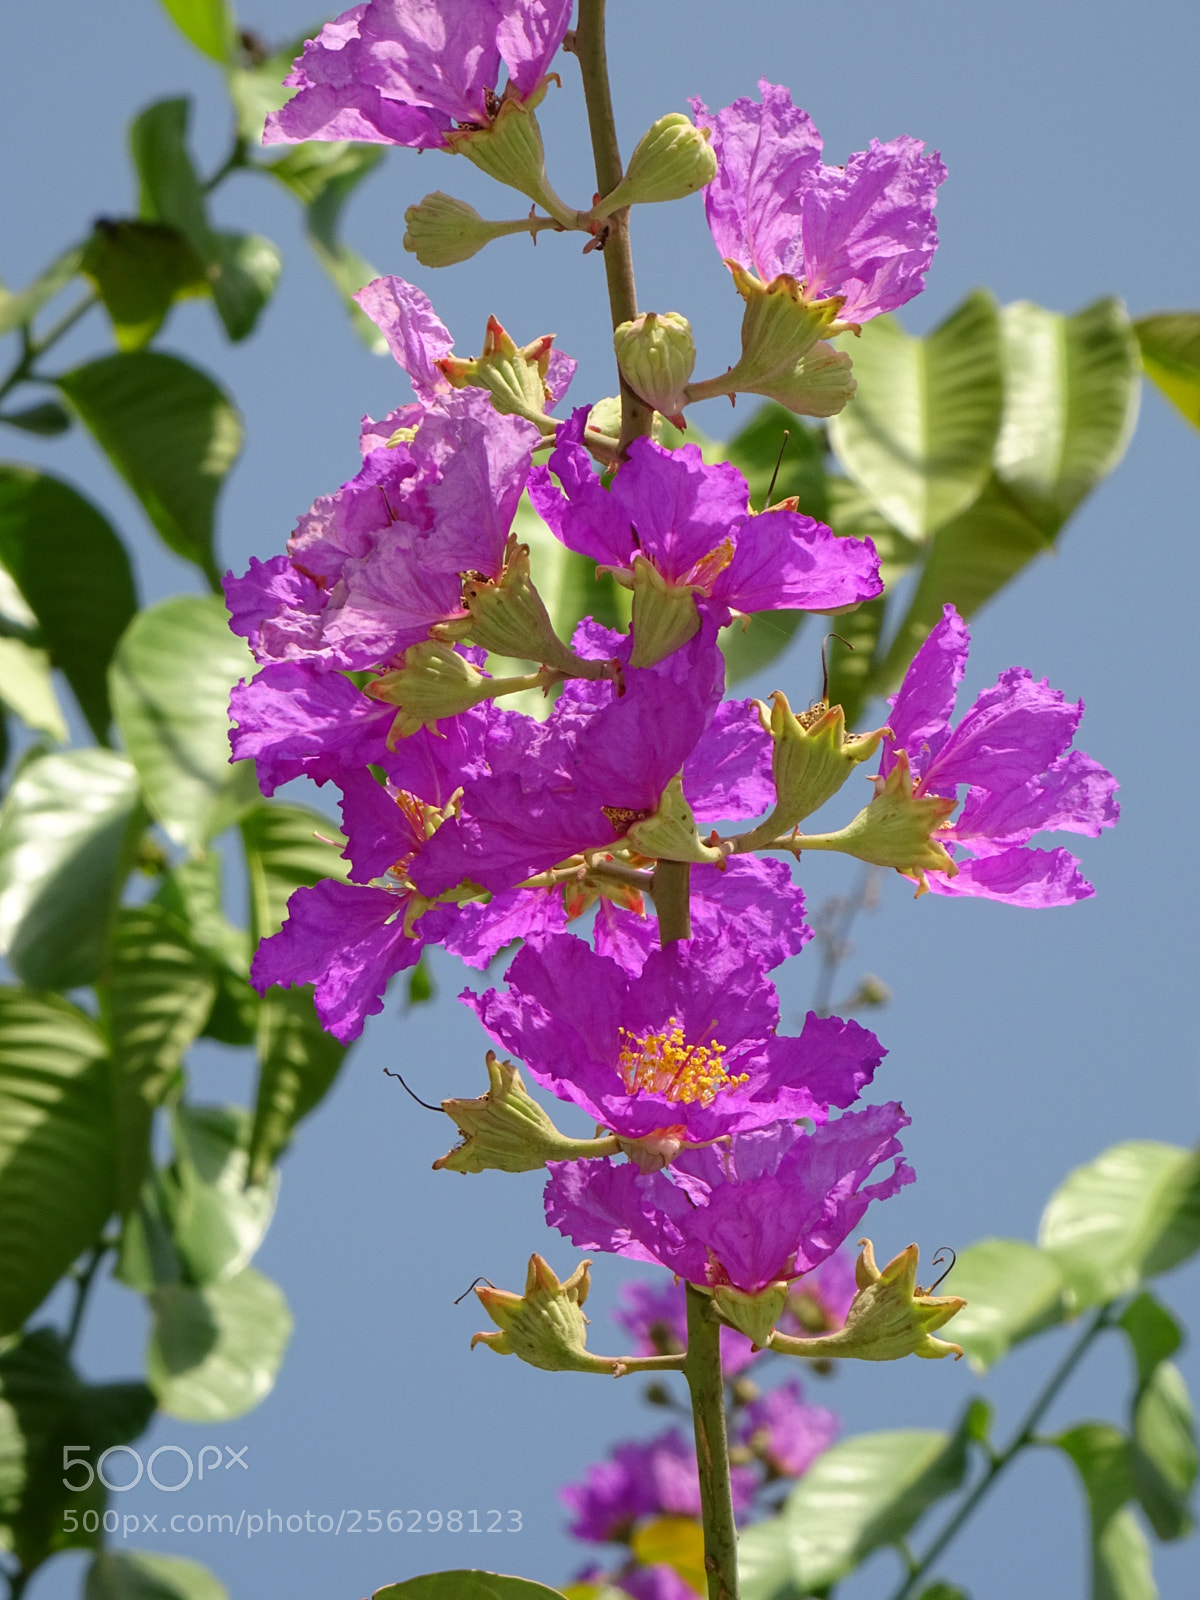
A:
x: 298, y: 1063
x: 171, y: 432
x: 1153, y: 1333
x: 1163, y: 1457
x: 1012, y: 1289
x: 140, y: 269
x: 1170, y: 344
x: 247, y: 268
x: 57, y: 1185
x: 676, y: 1542
x: 170, y: 189
x: 257, y: 88
x: 220, y: 1219
x: 919, y: 434
x: 73, y: 572
x: 214, y: 1352
x: 287, y: 847
x: 139, y: 1575
x: 68, y: 828
x: 27, y: 688
x: 18, y: 310
x: 1121, y: 1565
x: 170, y: 686
x: 1130, y: 1214
x: 209, y: 24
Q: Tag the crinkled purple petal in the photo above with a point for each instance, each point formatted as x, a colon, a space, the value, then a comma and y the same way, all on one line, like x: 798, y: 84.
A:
x: 1074, y: 795
x: 378, y: 832
x: 680, y: 508
x: 766, y: 153
x: 295, y: 721
x: 1019, y: 876
x: 277, y: 610
x: 868, y: 228
x: 415, y: 334
x: 727, y: 777
x: 603, y: 1205
x: 785, y: 561
x: 560, y: 370
x: 356, y: 111
x: 582, y: 513
x: 483, y: 930
x: 1012, y: 733
x: 474, y: 504
x: 529, y: 35
x: 924, y: 704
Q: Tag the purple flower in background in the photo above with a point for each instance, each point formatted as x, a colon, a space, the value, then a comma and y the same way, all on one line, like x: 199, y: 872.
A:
x: 771, y: 1205
x: 638, y: 1481
x: 693, y: 524
x: 411, y: 72
x: 864, y: 231
x: 687, y: 1050
x: 788, y: 1434
x: 1012, y: 750
x: 656, y: 1582
x: 820, y: 1300
x: 654, y: 1314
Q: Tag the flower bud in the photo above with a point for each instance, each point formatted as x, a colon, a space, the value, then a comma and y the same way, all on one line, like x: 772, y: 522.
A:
x: 755, y: 1315
x: 813, y: 755
x: 545, y: 1326
x: 505, y: 1130
x: 515, y: 377
x: 656, y: 355
x: 889, y: 1317
x: 895, y: 830
x: 510, y: 150
x: 441, y: 230
x: 783, y: 356
x: 436, y: 682
x: 670, y: 834
x: 672, y: 159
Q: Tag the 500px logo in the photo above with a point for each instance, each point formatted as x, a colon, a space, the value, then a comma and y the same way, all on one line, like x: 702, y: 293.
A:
x: 210, y: 1459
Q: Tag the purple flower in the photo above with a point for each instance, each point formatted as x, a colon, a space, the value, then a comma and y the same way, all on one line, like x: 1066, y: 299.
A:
x: 688, y: 1047
x: 788, y: 1434
x: 693, y: 524
x: 771, y: 1205
x: 641, y: 1480
x: 656, y: 1582
x: 1012, y: 751
x: 411, y: 71
x: 865, y: 231
x: 655, y: 1315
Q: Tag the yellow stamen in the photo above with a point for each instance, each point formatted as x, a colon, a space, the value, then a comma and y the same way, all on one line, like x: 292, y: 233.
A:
x: 664, y: 1063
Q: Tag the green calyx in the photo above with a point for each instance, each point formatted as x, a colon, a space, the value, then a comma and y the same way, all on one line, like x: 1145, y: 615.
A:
x: 670, y: 833
x: 510, y: 150
x: 755, y: 1315
x: 514, y: 376
x: 783, y: 357
x: 672, y: 159
x: 664, y: 614
x: 889, y: 1317
x: 656, y: 354
x: 895, y: 830
x: 441, y: 231
x: 436, y: 682
x: 813, y: 755
x: 505, y: 1130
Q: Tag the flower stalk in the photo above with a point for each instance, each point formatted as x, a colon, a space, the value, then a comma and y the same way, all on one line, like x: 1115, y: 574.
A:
x: 707, y: 1386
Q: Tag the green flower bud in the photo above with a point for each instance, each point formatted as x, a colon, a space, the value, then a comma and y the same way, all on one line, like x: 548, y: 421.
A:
x: 435, y: 682
x: 813, y: 755
x: 510, y: 150
x: 889, y: 1317
x: 669, y: 833
x: 895, y: 830
x: 656, y: 355
x: 505, y: 1130
x: 515, y: 377
x: 442, y: 230
x: 672, y: 159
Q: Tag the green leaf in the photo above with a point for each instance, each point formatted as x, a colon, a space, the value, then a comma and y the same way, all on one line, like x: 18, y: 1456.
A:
x: 465, y: 1585
x: 48, y: 419
x: 72, y: 570
x: 567, y: 581
x: 421, y: 987
x: 918, y: 435
x: 170, y: 189
x: 246, y: 276
x: 44, y: 1406
x: 138, y: 1575
x: 1170, y: 344
x: 220, y: 1218
x: 759, y: 449
x: 191, y: 892
x: 943, y: 1591
x: 209, y: 24
x: 57, y: 1185
x: 214, y: 1352
x: 68, y: 828
x: 323, y: 219
x: 1163, y: 1456
x: 140, y: 269
x: 971, y: 558
x: 1012, y: 1289
x: 19, y: 310
x: 1121, y: 1566
x: 27, y: 688
x: 1130, y: 1214
x: 864, y: 1493
x: 157, y: 998
x: 171, y: 432
x: 1153, y: 1334
x: 170, y: 686
x: 287, y: 848
x: 851, y: 515
x: 298, y: 1063
x: 1070, y: 405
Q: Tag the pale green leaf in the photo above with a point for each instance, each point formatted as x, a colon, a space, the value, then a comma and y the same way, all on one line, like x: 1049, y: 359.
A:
x: 139, y: 1575
x: 27, y: 688
x: 1170, y: 343
x: 220, y: 1218
x: 170, y: 685
x: 18, y: 310
x: 74, y: 574
x: 919, y: 434
x: 246, y: 275
x: 68, y: 828
x: 57, y: 1186
x: 1012, y: 1289
x: 1153, y: 1334
x: 465, y: 1585
x: 1163, y: 1456
x: 1121, y: 1566
x: 298, y: 1063
x: 1130, y: 1214
x: 171, y: 432
x: 287, y: 847
x: 170, y: 189
x: 210, y: 26
x: 215, y: 1352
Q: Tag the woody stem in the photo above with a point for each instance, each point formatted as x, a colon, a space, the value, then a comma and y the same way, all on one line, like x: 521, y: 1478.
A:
x: 704, y: 1379
x: 670, y: 890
